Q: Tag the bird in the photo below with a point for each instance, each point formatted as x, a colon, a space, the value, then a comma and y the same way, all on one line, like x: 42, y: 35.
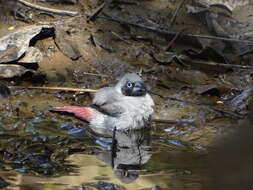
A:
x: 125, y: 106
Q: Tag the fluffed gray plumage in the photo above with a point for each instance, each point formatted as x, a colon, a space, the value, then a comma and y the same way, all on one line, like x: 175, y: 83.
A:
x: 125, y: 106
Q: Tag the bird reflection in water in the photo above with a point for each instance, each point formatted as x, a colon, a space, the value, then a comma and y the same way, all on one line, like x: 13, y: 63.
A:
x: 126, y: 152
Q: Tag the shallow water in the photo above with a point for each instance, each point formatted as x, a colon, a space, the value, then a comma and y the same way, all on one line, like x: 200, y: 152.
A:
x: 91, y: 170
x: 44, y: 150
x: 42, y: 153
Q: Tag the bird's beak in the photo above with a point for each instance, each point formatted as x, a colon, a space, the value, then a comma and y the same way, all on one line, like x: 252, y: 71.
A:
x: 139, y: 89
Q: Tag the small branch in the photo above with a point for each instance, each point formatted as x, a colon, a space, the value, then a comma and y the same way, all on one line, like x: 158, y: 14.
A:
x: 171, y: 121
x: 169, y: 33
x: 121, y: 38
x: 176, y: 13
x: 96, y: 12
x: 222, y: 111
x: 55, y: 11
x: 173, y: 40
x: 56, y: 88
x: 94, y: 74
x: 220, y: 64
x: 187, y: 60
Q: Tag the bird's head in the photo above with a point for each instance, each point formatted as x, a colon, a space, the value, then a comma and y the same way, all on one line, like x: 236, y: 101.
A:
x: 131, y: 84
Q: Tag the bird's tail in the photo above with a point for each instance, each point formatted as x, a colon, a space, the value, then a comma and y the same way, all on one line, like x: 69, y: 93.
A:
x: 84, y: 113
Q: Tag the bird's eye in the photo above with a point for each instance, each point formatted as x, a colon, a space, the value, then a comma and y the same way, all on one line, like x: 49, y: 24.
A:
x: 129, y: 85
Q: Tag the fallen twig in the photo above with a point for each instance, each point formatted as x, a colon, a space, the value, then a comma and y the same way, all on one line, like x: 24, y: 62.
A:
x: 170, y: 33
x: 173, y: 40
x: 97, y: 43
x: 176, y: 13
x: 96, y: 12
x: 55, y: 11
x: 119, y: 37
x: 171, y: 121
x: 219, y: 64
x: 222, y: 111
x: 94, y: 74
x: 55, y: 88
x: 187, y: 60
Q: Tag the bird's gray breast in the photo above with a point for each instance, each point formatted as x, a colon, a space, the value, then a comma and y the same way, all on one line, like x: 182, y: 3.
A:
x: 134, y: 112
x: 124, y: 112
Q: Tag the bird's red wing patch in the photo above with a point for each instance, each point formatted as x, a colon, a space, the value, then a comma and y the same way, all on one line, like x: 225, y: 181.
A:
x: 81, y: 112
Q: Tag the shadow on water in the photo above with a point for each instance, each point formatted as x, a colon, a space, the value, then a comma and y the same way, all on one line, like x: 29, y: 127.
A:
x: 56, y: 154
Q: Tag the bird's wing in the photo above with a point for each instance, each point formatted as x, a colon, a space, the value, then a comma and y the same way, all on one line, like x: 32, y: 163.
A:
x: 80, y: 112
x: 107, y: 101
x: 103, y: 96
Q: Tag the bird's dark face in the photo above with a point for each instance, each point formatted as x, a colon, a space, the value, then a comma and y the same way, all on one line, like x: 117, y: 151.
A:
x: 137, y: 88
